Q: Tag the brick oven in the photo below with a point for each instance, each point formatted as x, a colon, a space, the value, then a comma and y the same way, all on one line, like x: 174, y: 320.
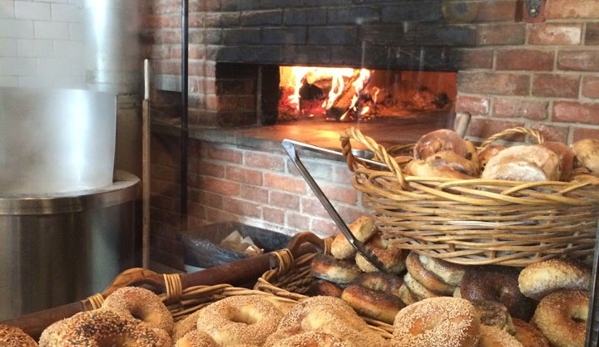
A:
x: 511, y: 67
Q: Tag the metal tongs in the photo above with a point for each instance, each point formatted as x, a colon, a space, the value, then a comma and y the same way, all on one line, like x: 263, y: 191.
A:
x: 290, y: 148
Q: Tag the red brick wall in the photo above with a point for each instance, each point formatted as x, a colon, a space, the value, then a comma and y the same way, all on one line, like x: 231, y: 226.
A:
x: 261, y: 188
x: 544, y: 78
x: 510, y: 72
x: 264, y: 188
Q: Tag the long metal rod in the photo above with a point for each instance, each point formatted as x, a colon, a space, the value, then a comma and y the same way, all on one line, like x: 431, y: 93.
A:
x: 184, y: 107
x: 592, y: 332
x: 289, y: 146
x: 145, y: 148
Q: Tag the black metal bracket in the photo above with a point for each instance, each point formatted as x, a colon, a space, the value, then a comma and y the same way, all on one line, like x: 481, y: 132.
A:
x: 533, y: 7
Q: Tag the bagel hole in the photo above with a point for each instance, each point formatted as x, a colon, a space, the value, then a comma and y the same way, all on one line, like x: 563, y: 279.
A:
x: 112, y: 341
x: 244, y: 315
x: 431, y: 323
x: 137, y: 314
x: 580, y: 315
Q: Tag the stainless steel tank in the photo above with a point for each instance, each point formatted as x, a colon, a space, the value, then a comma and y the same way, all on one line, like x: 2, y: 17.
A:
x: 111, y: 34
x: 68, y: 220
x: 60, y: 248
x: 56, y: 140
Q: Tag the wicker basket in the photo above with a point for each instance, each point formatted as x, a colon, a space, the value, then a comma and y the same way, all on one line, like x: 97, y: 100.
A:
x: 476, y: 221
x: 182, y: 302
x: 292, y: 280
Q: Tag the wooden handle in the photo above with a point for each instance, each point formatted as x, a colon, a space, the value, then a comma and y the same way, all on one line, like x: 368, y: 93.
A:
x: 238, y: 273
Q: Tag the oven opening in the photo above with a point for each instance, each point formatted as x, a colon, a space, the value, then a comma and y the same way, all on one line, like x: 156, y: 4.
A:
x: 341, y: 94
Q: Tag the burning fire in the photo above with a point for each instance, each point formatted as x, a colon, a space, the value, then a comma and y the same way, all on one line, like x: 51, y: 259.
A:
x: 335, y: 92
x: 348, y: 94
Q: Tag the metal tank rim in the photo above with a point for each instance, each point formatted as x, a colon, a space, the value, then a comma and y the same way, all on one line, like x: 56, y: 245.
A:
x: 125, y: 188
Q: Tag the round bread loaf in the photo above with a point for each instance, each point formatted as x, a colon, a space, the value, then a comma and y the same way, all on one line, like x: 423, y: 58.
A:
x: 440, y: 140
x: 587, y: 153
x: 455, y: 161
x: 529, y: 163
x: 422, y: 168
x: 487, y: 153
x: 566, y: 157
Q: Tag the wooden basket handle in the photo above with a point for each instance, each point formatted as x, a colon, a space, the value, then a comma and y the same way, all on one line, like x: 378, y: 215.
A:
x: 511, y: 131
x: 380, y: 153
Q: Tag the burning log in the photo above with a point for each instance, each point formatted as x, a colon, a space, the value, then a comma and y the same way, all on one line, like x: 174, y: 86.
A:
x: 311, y: 92
x: 346, y: 98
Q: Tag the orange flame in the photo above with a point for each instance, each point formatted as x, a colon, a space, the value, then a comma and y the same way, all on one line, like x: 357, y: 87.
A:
x: 296, y: 76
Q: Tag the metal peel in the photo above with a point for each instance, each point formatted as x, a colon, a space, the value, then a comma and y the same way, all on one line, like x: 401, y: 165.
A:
x: 290, y: 148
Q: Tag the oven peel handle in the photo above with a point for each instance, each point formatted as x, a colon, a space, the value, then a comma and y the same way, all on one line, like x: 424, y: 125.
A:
x: 290, y: 148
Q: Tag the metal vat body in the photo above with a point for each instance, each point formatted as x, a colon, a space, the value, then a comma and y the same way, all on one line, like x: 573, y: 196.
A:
x: 59, y: 248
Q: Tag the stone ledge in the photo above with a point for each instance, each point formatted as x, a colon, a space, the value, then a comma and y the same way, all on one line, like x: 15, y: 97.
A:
x: 319, y: 133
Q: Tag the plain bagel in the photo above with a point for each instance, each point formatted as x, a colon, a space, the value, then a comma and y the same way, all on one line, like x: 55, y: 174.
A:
x: 539, y: 279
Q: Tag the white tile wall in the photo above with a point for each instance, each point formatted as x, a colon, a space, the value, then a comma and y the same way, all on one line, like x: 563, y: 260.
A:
x: 8, y: 47
x: 51, y: 30
x: 35, y: 48
x: 7, y: 9
x: 66, y: 13
x: 32, y: 10
x: 41, y: 43
x: 16, y: 28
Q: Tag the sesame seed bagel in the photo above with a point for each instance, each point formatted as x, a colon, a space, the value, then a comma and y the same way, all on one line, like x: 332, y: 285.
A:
x: 99, y: 328
x: 15, y: 337
x: 492, y: 336
x: 441, y: 321
x: 240, y: 319
x: 562, y: 317
x: 142, y: 304
x: 196, y: 338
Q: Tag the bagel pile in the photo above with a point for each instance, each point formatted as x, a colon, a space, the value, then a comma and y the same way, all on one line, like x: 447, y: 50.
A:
x: 443, y: 153
x: 559, y: 288
x: 543, y: 304
x: 345, y: 273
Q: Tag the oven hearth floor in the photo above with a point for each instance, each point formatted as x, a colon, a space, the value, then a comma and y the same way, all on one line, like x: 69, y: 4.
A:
x: 319, y: 133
